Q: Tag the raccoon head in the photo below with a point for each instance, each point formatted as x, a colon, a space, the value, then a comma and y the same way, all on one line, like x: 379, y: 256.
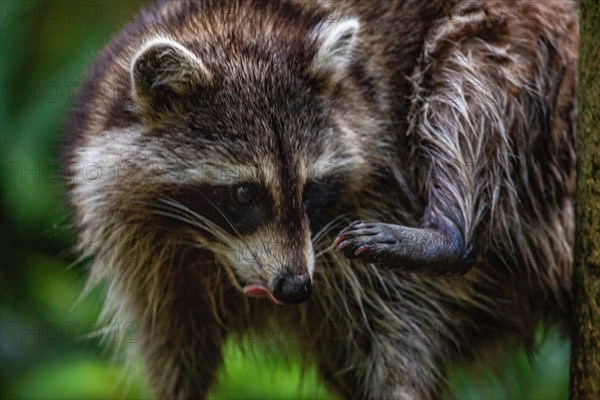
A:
x: 250, y: 147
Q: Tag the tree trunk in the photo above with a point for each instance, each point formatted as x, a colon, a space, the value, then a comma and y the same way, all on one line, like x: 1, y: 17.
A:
x: 585, y: 352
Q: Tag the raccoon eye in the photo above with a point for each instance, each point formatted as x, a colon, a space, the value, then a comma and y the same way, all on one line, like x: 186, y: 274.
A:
x: 244, y: 195
x: 318, y: 198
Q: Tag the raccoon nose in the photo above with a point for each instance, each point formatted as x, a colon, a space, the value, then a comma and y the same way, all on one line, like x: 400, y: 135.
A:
x: 292, y: 288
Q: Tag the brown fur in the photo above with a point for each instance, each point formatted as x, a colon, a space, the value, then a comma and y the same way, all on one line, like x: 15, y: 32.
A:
x: 461, y: 111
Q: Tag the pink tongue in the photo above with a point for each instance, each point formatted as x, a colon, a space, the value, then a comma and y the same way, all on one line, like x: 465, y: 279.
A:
x: 260, y: 291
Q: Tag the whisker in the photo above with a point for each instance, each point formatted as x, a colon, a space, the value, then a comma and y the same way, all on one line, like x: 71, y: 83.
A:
x: 322, y: 246
x: 217, y: 231
x: 193, y: 223
x: 235, y: 230
x: 207, y: 223
x: 233, y: 227
x: 324, y: 251
x: 327, y: 227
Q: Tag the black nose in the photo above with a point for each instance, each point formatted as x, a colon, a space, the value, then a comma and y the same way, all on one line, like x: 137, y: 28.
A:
x: 292, y: 288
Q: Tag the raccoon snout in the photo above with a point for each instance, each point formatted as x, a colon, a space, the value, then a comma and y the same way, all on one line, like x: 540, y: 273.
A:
x: 292, y: 288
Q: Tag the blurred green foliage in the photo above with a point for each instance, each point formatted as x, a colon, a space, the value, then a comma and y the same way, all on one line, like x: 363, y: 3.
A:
x: 48, y: 348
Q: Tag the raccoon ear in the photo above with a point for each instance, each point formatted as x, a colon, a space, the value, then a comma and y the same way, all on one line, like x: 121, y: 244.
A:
x: 335, y: 40
x: 163, y: 71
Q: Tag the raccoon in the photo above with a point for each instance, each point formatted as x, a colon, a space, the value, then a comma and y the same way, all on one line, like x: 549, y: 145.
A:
x: 389, y: 182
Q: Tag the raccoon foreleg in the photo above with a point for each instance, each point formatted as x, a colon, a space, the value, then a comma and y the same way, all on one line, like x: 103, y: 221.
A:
x: 182, y: 335
x: 466, y: 111
x: 182, y: 363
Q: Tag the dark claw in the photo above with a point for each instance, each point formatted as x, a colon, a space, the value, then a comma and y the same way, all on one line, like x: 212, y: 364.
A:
x: 362, y: 249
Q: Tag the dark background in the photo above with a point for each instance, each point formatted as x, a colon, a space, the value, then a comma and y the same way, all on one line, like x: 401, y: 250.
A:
x: 50, y: 344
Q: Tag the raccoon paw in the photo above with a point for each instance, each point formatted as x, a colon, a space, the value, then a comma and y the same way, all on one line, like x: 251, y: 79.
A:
x: 428, y: 250
x: 372, y: 242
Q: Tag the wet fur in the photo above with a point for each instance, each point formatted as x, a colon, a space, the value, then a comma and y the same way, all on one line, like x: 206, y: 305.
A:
x: 460, y: 112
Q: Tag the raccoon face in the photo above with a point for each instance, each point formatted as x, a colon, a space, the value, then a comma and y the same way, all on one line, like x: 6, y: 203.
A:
x: 255, y: 159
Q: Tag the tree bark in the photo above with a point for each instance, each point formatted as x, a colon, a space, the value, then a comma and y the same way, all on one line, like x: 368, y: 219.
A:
x: 585, y: 350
